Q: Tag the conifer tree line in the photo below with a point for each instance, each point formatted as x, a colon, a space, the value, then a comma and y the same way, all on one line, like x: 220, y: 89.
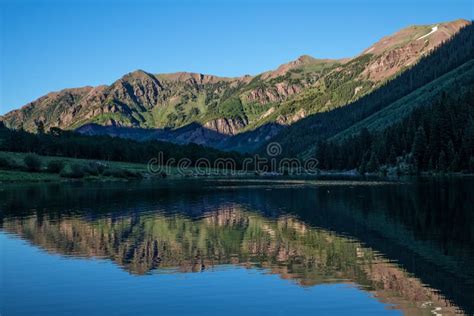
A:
x: 435, y: 138
x: 62, y: 143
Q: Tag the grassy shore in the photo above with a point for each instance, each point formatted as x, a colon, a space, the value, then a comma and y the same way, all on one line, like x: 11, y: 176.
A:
x: 15, y: 169
x: 24, y: 176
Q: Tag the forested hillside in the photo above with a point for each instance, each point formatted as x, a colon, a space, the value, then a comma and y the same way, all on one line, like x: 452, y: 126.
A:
x: 300, y: 139
x: 439, y: 137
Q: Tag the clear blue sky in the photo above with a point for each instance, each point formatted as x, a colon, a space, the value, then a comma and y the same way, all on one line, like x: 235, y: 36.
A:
x: 51, y: 45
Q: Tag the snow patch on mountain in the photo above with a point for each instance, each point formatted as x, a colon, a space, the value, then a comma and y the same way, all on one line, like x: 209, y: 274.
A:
x: 433, y: 29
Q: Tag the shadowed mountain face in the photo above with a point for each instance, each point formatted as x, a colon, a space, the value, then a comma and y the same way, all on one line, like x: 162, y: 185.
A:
x: 392, y: 240
x: 447, y: 72
x: 209, y: 105
x: 191, y: 133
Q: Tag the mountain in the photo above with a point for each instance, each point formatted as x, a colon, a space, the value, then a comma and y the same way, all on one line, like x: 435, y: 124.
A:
x: 230, y: 113
x: 446, y: 70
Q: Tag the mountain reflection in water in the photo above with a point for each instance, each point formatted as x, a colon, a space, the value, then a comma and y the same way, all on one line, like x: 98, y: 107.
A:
x: 407, y: 244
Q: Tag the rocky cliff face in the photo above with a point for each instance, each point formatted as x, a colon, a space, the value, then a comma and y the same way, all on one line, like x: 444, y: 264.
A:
x: 404, y: 48
x: 276, y: 93
x: 230, y: 126
x: 228, y: 106
x: 57, y: 108
x: 289, y: 119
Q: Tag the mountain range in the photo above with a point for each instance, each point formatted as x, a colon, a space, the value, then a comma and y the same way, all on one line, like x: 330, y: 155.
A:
x: 244, y: 113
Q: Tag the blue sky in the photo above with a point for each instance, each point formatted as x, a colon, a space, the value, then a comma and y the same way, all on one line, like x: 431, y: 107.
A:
x: 52, y: 45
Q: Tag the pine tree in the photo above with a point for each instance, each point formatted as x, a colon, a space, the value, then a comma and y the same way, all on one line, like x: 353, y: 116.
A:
x: 471, y: 165
x: 442, y: 161
x: 454, y: 165
x: 419, y: 147
x: 321, y: 154
x: 450, y: 152
x: 431, y: 165
x: 392, y: 158
x: 373, y: 163
x: 40, y: 127
x: 468, y: 137
x: 363, y: 163
x: 366, y: 139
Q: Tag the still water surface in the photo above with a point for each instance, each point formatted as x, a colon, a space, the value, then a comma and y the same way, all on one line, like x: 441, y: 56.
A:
x: 200, y: 247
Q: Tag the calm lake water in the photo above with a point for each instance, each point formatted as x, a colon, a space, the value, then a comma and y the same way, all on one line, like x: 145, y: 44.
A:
x: 201, y: 247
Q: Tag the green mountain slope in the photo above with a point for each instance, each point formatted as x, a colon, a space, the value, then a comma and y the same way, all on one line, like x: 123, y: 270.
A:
x: 392, y: 98
x: 435, y: 137
x: 459, y: 80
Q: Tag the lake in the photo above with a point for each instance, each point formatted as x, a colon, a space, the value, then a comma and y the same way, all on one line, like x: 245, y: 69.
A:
x: 241, y: 246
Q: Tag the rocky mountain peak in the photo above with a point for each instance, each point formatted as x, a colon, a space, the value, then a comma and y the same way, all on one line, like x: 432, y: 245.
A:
x: 197, y: 78
x: 430, y: 35
x: 406, y: 47
x: 300, y: 62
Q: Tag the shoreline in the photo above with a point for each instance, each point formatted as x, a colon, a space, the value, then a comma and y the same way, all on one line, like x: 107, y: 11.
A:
x: 15, y: 170
x: 25, y: 177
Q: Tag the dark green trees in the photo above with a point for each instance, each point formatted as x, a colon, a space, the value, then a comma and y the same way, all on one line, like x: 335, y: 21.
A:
x: 419, y: 148
x: 69, y: 144
x: 373, y: 164
x: 32, y: 162
x: 439, y: 137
